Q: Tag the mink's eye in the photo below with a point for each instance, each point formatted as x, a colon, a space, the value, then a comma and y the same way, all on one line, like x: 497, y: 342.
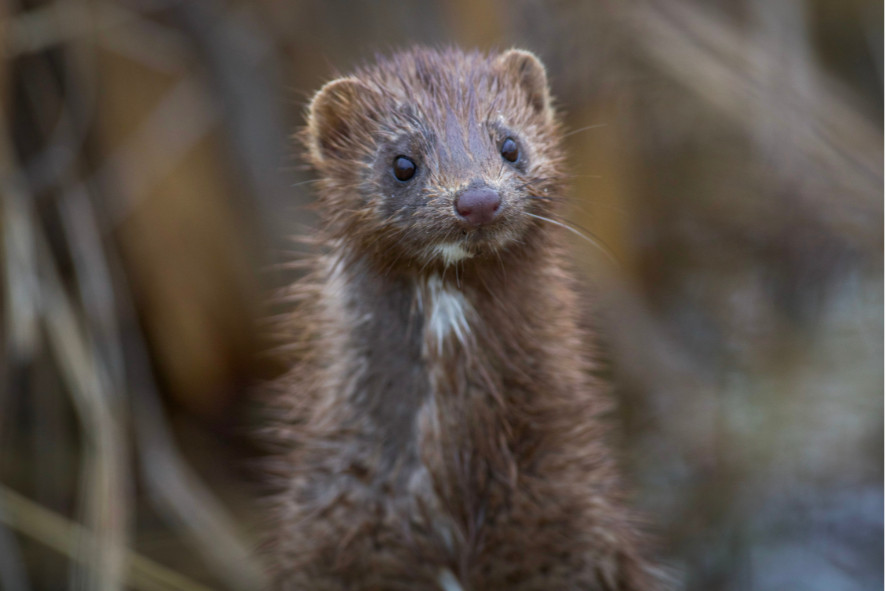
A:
x: 509, y: 150
x: 404, y: 168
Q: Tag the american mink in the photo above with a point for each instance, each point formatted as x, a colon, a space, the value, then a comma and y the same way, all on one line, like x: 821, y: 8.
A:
x: 440, y: 422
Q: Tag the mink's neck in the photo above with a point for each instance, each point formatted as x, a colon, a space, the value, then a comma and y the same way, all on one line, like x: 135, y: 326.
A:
x: 451, y: 335
x: 385, y: 375
x: 458, y: 378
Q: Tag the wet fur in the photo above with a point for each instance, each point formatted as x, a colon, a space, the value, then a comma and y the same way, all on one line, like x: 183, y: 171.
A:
x: 439, y: 428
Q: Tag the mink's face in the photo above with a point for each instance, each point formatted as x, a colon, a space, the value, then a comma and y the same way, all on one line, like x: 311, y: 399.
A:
x: 436, y: 158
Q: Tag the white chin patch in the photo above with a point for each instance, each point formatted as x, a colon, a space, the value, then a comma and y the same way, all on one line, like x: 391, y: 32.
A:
x: 451, y: 253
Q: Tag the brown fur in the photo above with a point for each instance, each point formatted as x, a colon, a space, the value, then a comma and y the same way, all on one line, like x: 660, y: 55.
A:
x: 422, y: 447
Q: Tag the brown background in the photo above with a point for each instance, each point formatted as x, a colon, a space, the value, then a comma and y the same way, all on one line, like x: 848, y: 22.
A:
x: 729, y: 154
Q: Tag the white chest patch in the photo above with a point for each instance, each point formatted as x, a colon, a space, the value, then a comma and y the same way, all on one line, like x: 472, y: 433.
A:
x: 451, y: 253
x: 447, y: 581
x: 446, y: 312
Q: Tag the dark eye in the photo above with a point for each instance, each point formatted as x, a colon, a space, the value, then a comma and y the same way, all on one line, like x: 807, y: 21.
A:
x: 509, y: 150
x: 404, y: 168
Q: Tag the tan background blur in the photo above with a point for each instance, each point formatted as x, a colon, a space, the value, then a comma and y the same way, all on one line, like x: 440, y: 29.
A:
x: 729, y: 154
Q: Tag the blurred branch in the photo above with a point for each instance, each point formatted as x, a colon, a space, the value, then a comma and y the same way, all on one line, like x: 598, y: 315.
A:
x: 145, y: 41
x: 67, y: 537
x: 104, y: 498
x: 811, y: 121
x: 12, y: 572
x: 57, y: 23
x: 181, y: 119
x: 21, y: 287
x: 179, y: 122
x: 92, y: 357
x: 19, y: 317
x: 104, y: 467
x: 242, y: 72
x: 181, y: 496
x: 72, y: 86
x: 171, y: 483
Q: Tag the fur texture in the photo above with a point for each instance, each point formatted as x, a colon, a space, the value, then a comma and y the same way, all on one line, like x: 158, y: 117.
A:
x: 439, y: 426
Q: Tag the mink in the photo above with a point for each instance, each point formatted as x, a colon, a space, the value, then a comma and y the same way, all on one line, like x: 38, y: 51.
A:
x: 440, y: 424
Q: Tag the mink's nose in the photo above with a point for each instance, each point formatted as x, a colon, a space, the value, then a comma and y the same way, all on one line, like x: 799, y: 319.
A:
x: 478, y: 206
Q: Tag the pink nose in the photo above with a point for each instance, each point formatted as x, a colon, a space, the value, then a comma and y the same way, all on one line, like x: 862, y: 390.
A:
x: 478, y: 206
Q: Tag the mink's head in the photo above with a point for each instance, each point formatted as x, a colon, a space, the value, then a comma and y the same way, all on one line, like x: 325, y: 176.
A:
x: 431, y: 158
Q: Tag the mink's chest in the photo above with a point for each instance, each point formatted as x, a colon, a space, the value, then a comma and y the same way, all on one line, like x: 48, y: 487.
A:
x: 423, y: 446
x: 430, y: 379
x: 434, y: 422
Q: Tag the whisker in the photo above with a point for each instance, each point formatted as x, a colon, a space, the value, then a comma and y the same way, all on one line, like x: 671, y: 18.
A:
x: 305, y: 183
x: 580, y: 234
x: 500, y: 262
x: 581, y: 129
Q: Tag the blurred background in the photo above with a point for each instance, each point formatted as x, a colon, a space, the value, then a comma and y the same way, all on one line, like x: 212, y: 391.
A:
x: 729, y: 153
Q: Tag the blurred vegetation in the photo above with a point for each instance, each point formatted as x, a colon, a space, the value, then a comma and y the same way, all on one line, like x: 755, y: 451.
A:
x: 729, y: 153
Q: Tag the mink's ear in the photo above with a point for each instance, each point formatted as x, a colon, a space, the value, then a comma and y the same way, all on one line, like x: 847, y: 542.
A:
x: 339, y: 115
x: 526, y: 70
